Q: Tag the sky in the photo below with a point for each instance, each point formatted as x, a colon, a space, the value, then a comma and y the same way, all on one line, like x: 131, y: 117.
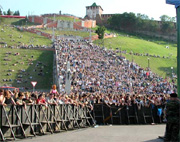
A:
x: 152, y: 8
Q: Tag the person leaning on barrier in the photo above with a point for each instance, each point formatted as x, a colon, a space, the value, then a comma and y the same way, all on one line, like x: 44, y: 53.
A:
x: 8, y: 98
x: 34, y: 98
x: 60, y: 99
x: 2, y: 97
x: 41, y: 100
x: 20, y: 101
x: 27, y: 99
x: 173, y: 121
x: 51, y: 100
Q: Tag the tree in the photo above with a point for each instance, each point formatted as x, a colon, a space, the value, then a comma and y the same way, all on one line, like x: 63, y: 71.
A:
x: 167, y: 24
x: 16, y: 13
x: 4, y: 13
x: 1, y: 13
x: 9, y: 12
x: 100, y: 31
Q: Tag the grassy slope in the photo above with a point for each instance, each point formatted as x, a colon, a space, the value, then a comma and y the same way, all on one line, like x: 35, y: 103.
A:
x: 43, y: 82
x: 158, y: 65
x: 27, y: 37
x: 75, y: 33
x: 64, y: 18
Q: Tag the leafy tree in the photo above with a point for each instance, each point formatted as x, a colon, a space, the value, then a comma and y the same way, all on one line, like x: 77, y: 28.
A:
x: 167, y: 24
x: 1, y: 13
x: 18, y: 13
x: 15, y: 13
x: 9, y: 12
x: 4, y: 13
x: 100, y: 31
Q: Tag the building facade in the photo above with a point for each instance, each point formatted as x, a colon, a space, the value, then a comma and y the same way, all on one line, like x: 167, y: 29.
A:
x: 93, y: 10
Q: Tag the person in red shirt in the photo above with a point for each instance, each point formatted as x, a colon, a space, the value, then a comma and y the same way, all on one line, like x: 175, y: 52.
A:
x: 41, y: 100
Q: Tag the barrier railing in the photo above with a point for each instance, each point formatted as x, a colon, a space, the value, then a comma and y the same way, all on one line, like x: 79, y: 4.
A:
x: 119, y: 115
x: 18, y: 122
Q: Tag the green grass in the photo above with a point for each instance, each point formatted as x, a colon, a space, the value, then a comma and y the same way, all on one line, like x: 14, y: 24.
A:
x: 46, y: 57
x: 160, y: 66
x: 16, y: 21
x: 64, y: 18
x: 27, y: 38
x: 74, y: 33
x: 8, y: 21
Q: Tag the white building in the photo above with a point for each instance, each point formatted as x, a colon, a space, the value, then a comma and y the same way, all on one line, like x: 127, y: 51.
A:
x: 93, y: 10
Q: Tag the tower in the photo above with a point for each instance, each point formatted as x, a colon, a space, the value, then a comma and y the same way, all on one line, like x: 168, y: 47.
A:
x: 93, y: 10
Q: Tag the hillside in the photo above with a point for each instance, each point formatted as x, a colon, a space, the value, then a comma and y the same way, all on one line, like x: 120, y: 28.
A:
x: 13, y: 37
x: 161, y: 66
x: 18, y: 67
x: 64, y: 18
x: 74, y: 33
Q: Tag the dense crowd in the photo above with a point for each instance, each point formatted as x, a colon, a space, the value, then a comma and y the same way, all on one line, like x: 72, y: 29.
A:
x: 97, y: 70
x: 98, y: 75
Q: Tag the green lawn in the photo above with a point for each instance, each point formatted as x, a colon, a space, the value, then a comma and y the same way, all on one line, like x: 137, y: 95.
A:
x: 64, y: 18
x: 16, y: 21
x: 46, y: 57
x: 74, y: 33
x: 134, y: 44
x: 27, y: 38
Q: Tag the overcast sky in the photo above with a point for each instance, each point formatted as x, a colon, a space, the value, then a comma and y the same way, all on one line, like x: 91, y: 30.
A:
x: 152, y: 8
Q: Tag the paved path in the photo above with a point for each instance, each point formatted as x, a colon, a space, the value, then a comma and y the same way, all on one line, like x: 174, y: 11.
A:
x: 129, y: 133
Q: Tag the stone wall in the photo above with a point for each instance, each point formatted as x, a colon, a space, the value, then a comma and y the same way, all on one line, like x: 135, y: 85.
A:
x: 61, y: 24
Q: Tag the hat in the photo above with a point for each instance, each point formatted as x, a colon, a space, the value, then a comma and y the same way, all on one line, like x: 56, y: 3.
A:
x: 174, y: 95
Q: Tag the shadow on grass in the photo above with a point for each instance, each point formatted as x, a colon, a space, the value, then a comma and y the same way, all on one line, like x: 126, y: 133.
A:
x: 168, y: 71
x: 41, y: 70
x: 23, y: 22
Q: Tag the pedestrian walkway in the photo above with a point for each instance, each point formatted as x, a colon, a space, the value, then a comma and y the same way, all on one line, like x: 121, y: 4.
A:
x: 126, y: 133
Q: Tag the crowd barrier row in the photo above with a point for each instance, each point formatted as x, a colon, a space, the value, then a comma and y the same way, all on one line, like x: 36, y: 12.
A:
x: 124, y: 115
x: 19, y: 122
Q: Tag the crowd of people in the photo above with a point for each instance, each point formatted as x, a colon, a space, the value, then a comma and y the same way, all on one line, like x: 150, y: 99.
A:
x: 99, y: 75
x: 101, y: 72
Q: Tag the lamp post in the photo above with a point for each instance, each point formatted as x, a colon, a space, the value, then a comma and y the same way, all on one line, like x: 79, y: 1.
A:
x: 148, y: 63
x: 132, y: 56
x: 120, y: 52
x: 172, y: 71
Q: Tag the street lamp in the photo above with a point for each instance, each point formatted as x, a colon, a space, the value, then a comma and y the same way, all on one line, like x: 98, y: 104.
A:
x: 120, y: 52
x: 172, y: 71
x: 148, y: 63
x: 132, y: 56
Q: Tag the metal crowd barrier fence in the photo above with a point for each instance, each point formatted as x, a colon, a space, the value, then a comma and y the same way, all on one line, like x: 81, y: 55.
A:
x: 18, y: 122
x: 124, y: 115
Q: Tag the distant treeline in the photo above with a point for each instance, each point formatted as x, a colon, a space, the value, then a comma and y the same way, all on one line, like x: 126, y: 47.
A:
x: 131, y: 22
x: 9, y: 12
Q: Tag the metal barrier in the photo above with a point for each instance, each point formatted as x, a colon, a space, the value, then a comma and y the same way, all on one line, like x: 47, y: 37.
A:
x: 120, y: 115
x: 18, y: 122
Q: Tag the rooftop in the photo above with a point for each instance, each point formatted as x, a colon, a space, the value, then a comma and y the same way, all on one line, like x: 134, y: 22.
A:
x: 95, y: 5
